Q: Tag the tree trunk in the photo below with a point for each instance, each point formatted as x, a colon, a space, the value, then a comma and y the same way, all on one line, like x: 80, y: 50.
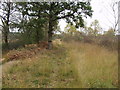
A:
x: 50, y: 35
x: 37, y: 36
x: 6, y: 27
x: 6, y: 36
x: 6, y: 40
x: 50, y: 31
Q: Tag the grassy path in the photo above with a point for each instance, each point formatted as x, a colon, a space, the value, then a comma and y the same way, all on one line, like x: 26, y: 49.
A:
x: 50, y: 69
x: 75, y: 65
x: 96, y: 66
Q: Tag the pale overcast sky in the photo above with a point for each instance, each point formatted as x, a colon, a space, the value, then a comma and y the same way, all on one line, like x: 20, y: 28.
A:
x: 102, y: 12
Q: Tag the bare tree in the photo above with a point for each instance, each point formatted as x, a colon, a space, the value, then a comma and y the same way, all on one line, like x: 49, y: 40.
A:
x: 114, y: 7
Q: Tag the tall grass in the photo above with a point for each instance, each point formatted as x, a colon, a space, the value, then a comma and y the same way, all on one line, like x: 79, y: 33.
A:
x: 73, y: 65
x: 97, y: 67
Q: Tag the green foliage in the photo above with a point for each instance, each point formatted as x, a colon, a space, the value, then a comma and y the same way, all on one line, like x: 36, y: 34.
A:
x: 71, y: 29
x: 94, y: 28
x: 42, y: 14
x: 34, y: 31
x: 32, y: 25
x: 36, y: 21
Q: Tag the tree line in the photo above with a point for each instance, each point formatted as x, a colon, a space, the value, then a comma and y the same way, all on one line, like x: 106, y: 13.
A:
x: 36, y: 21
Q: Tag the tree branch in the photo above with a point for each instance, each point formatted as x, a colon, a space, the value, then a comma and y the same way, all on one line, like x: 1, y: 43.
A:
x: 2, y: 17
x: 63, y: 16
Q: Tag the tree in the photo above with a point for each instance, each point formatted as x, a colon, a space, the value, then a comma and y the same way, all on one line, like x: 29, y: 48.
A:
x: 7, y: 10
x: 110, y: 32
x: 34, y: 25
x: 52, y: 12
x: 95, y: 27
x: 90, y: 31
x: 71, y: 12
x: 71, y: 29
x: 114, y: 7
